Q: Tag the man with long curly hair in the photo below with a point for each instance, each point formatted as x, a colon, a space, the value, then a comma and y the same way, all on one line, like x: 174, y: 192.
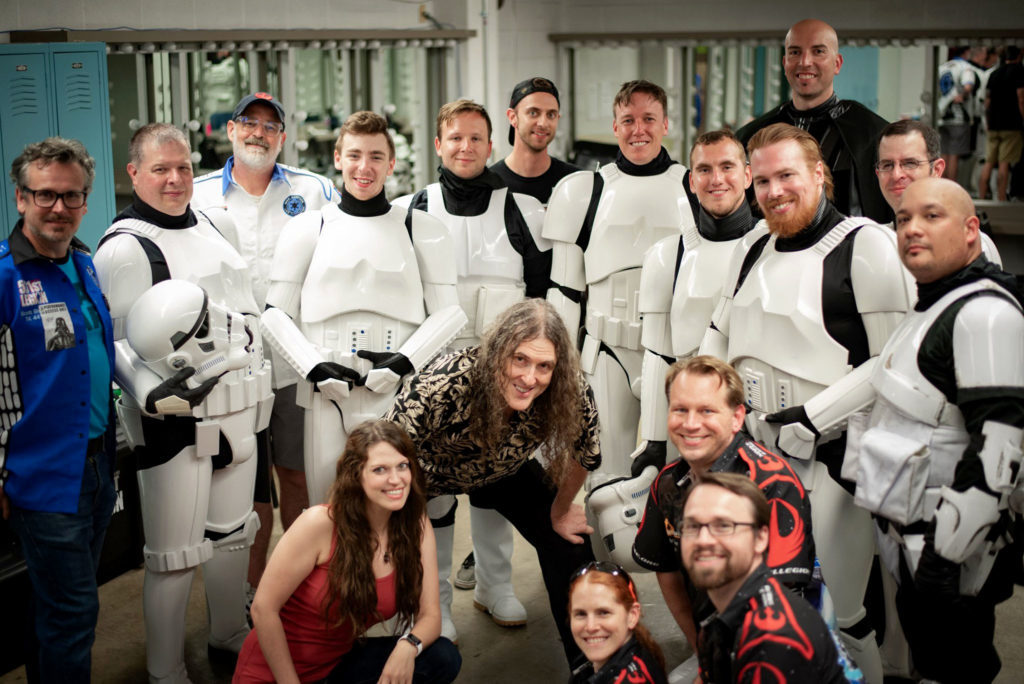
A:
x: 477, y: 416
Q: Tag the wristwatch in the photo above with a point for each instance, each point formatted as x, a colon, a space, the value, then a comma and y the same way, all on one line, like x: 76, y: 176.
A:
x: 415, y: 641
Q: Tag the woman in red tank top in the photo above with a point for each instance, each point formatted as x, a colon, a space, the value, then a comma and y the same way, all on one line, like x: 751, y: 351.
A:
x: 362, y: 558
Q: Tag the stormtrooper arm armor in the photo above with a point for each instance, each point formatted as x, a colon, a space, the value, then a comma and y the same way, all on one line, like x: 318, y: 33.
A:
x: 655, y: 306
x: 566, y: 214
x: 879, y: 285
x: 716, y: 339
x: 221, y: 219
x: 990, y: 393
x: 533, y: 213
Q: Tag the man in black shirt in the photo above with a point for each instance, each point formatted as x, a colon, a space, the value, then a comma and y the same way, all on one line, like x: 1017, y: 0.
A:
x: 847, y: 131
x: 533, y: 114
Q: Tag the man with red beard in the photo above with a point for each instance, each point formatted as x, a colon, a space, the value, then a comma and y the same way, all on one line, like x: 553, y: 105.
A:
x: 813, y: 303
x: 261, y: 196
x: 846, y: 130
x: 533, y: 114
x: 705, y: 413
x: 761, y: 632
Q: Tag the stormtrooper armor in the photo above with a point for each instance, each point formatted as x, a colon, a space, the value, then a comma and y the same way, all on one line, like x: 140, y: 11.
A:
x: 491, y: 278
x: 344, y: 288
x: 192, y: 512
x: 615, y: 509
x: 913, y: 438
x: 604, y: 258
x: 773, y: 331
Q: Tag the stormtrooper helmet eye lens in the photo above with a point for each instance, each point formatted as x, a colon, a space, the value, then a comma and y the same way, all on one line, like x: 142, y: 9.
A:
x: 204, y: 327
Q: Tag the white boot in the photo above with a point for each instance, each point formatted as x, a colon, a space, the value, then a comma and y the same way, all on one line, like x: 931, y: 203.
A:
x: 492, y: 546
x: 224, y: 576
x: 164, y: 599
x: 445, y: 538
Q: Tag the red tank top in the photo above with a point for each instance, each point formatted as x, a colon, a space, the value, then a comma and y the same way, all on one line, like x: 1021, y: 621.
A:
x: 315, y: 647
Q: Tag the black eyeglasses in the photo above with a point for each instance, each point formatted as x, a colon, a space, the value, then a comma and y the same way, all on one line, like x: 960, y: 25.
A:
x: 609, y: 568
x: 44, y: 199
x: 717, y: 528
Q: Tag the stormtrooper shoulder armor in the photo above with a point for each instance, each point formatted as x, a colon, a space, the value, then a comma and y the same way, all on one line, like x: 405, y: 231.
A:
x: 435, y: 250
x: 124, y: 271
x: 533, y: 213
x: 568, y: 206
x: 295, y: 247
x: 876, y: 272
x: 987, y: 336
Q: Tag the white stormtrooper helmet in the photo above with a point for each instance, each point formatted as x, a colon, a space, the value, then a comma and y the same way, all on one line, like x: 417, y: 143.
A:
x: 174, y: 325
x: 615, y: 509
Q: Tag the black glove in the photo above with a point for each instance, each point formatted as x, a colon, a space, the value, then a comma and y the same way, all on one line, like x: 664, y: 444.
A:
x: 328, y: 370
x: 793, y: 414
x: 652, y: 455
x: 935, y: 574
x: 396, y: 362
x: 174, y: 397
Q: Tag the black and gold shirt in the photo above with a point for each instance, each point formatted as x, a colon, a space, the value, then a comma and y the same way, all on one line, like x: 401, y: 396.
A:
x: 434, y: 409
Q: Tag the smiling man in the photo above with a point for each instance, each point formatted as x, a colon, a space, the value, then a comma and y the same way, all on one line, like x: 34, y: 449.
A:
x: 357, y: 301
x: 808, y: 304
x: 705, y: 413
x: 261, y: 196
x: 194, y: 442
x: 501, y: 258
x: 683, y: 277
x: 477, y: 417
x: 846, y: 130
x: 602, y: 224
x: 533, y: 114
x: 760, y: 630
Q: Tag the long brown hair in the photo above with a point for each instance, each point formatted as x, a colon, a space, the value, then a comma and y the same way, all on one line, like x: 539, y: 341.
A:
x: 559, y: 408
x: 624, y: 591
x: 351, y: 586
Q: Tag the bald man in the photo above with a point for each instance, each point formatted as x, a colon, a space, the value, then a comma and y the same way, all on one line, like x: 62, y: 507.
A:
x: 936, y: 459
x: 846, y: 130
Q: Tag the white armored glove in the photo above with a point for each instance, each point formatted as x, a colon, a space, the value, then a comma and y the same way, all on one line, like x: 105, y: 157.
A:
x: 388, y: 370
x: 333, y: 380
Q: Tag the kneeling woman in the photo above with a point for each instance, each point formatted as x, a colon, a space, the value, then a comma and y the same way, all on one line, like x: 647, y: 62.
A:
x: 604, y: 616
x: 363, y: 557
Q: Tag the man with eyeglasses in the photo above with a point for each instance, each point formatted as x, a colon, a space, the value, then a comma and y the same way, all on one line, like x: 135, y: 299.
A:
x: 261, y: 196
x: 706, y: 407
x: 909, y: 150
x: 56, y: 485
x: 760, y: 631
x: 533, y: 114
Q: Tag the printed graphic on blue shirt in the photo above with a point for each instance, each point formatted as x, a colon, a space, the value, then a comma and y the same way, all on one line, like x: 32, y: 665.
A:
x: 58, y: 331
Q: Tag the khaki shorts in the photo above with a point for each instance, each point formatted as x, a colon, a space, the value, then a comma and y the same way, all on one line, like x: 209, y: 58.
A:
x: 1004, y: 147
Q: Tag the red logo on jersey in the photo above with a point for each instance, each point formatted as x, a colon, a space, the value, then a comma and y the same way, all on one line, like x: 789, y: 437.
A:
x: 784, y: 548
x: 761, y: 673
x: 774, y: 624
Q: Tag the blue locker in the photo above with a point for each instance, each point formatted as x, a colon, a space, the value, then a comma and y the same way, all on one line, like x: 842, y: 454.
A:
x: 58, y: 89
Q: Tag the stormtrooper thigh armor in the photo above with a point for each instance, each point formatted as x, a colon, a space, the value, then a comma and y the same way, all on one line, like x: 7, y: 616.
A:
x: 191, y: 513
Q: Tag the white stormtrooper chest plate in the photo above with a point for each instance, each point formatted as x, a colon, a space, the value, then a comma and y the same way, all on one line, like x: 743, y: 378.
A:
x: 363, y: 264
x: 202, y: 256
x: 633, y: 214
x: 777, y: 336
x: 482, y: 247
x: 699, y: 282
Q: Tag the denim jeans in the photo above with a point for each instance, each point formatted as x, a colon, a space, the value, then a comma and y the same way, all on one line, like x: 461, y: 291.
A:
x: 438, y: 664
x: 62, y: 554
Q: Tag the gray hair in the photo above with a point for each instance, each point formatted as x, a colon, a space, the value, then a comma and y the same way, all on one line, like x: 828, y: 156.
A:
x: 55, y: 149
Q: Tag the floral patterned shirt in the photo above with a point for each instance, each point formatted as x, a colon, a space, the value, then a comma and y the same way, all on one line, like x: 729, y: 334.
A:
x: 434, y: 409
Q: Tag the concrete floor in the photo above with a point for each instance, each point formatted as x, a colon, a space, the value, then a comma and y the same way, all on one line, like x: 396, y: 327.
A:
x: 491, y: 654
